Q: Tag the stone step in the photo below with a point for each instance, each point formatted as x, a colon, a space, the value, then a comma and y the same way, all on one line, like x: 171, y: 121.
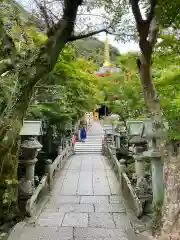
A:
x: 88, y: 144
x: 92, y: 140
x: 88, y: 151
x: 89, y: 147
x: 93, y: 147
x: 85, y: 147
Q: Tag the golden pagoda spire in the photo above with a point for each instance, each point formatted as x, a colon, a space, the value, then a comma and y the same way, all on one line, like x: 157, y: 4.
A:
x: 106, y: 53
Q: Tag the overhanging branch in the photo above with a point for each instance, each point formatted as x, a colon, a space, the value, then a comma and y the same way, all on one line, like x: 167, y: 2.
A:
x: 74, y: 38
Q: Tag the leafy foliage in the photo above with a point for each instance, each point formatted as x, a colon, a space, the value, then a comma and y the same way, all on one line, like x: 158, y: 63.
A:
x: 168, y: 12
x: 66, y: 93
x: 128, y: 101
x: 28, y: 58
x: 167, y: 83
x: 123, y: 95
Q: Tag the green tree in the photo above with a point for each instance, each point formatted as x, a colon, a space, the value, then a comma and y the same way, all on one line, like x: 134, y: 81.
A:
x: 28, y: 61
x: 122, y: 96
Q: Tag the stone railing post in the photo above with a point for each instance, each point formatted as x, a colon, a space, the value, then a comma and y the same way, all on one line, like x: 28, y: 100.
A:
x: 49, y: 172
x: 70, y: 142
x: 122, y: 168
x: 60, y: 148
x: 30, y: 149
x: 79, y: 134
x: 113, y: 150
x: 103, y: 145
x: 71, y: 146
x: 66, y: 148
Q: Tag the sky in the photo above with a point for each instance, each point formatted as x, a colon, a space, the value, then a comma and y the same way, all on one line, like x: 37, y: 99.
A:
x: 122, y: 47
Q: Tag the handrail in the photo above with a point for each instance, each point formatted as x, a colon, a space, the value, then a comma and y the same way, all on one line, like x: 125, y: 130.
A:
x: 31, y: 201
x: 136, y: 201
x: 47, y: 179
x: 123, y: 176
x: 57, y: 164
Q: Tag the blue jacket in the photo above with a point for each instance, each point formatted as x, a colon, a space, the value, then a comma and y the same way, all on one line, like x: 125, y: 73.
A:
x: 83, y: 133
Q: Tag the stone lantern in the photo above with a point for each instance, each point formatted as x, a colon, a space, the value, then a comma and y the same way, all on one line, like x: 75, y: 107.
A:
x: 30, y: 148
x: 154, y: 154
x: 109, y: 134
x: 135, y: 132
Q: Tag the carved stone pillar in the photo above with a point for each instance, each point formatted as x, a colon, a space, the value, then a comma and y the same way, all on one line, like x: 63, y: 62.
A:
x: 30, y: 149
x: 139, y: 162
x: 122, y: 168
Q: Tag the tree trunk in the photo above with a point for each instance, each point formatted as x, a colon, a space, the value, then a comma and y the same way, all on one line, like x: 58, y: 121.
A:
x: 149, y: 91
x: 153, y: 104
x: 171, y: 207
x: 11, y: 123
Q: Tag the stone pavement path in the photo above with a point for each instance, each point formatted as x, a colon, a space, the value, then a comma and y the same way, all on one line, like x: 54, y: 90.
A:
x: 86, y: 204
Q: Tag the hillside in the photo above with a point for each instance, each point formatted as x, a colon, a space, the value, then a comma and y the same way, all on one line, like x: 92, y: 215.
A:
x: 92, y: 47
x: 88, y: 47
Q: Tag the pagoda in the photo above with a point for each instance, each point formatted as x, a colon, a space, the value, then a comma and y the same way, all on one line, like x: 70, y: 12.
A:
x: 107, y: 69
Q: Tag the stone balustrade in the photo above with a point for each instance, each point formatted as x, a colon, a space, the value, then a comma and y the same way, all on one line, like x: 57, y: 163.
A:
x: 125, y: 183
x: 27, y: 189
x: 145, y: 138
x: 58, y: 163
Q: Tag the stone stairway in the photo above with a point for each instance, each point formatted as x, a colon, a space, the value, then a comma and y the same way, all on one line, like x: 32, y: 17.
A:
x: 93, y: 143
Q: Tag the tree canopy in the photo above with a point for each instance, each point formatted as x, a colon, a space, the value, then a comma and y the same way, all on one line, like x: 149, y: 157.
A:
x: 41, y: 76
